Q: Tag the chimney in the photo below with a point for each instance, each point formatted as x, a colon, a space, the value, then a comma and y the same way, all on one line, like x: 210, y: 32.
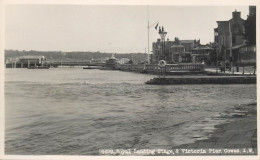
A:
x: 236, y: 15
x: 252, y: 10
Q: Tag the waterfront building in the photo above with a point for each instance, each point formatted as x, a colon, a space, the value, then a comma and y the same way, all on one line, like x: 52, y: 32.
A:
x: 27, y: 61
x: 157, y: 50
x: 201, y: 54
x: 177, y: 51
x: 230, y: 41
x: 190, y: 44
x: 246, y: 55
x: 177, y: 54
x: 252, y: 10
x: 229, y: 34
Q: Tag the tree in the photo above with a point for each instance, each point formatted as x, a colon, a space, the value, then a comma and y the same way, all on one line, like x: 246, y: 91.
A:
x: 250, y: 29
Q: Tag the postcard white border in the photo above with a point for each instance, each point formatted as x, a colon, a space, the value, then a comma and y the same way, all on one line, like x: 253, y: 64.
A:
x: 3, y: 3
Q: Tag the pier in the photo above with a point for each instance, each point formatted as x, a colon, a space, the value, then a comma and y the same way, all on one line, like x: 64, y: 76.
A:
x: 202, y: 79
x: 75, y: 63
x: 29, y: 63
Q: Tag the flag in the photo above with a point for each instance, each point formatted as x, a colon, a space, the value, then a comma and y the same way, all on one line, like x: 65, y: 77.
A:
x: 156, y: 26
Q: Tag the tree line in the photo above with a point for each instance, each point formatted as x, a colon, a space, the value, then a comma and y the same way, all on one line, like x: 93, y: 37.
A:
x: 73, y: 56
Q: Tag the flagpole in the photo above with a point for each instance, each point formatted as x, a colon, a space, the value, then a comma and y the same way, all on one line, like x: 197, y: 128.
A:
x: 148, y: 27
x: 148, y: 30
x: 148, y: 52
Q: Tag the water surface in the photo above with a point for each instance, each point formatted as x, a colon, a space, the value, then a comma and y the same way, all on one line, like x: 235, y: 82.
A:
x: 74, y: 111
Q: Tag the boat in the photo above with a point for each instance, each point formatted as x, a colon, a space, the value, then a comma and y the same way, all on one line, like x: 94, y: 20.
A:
x: 111, y: 64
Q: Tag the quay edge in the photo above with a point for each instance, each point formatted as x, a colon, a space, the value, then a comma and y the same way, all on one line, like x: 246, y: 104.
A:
x: 176, y: 80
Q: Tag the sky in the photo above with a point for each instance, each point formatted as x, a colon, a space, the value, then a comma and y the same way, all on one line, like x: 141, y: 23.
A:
x: 108, y: 28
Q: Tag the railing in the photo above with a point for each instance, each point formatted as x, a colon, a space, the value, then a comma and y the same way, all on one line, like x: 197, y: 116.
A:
x: 178, y: 67
x: 131, y: 67
x: 72, y: 63
x: 249, y: 69
x: 237, y: 70
x: 168, y: 68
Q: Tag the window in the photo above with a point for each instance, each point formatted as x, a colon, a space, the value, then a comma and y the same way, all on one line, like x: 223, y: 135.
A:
x: 233, y: 39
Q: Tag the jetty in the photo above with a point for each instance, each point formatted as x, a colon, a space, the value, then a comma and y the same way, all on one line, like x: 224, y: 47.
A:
x: 169, y: 69
x: 202, y: 79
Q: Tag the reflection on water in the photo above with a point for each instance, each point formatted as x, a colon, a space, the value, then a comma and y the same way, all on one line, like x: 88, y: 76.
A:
x: 76, y: 111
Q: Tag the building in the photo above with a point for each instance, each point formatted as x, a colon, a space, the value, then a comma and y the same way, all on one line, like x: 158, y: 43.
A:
x: 201, y: 54
x: 229, y: 34
x: 230, y: 41
x: 246, y: 55
x: 158, y: 47
x: 124, y: 61
x: 176, y: 51
x: 190, y: 44
x: 252, y: 10
x: 99, y: 60
x: 27, y: 61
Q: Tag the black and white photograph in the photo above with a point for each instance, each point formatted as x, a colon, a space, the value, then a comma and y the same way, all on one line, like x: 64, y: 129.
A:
x: 130, y: 79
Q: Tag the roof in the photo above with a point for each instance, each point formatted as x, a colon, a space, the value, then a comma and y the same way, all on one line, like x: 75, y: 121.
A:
x: 202, y: 47
x: 125, y: 59
x: 177, y: 46
x: 222, y: 21
x: 187, y: 41
x: 238, y: 46
x: 31, y: 57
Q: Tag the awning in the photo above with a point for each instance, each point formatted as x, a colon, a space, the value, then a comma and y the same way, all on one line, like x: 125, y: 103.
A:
x: 237, y: 46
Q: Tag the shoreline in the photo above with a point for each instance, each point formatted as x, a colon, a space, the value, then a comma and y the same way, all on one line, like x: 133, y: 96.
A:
x: 239, y: 132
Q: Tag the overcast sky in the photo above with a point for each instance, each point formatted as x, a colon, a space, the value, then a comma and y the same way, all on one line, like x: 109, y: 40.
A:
x: 116, y: 29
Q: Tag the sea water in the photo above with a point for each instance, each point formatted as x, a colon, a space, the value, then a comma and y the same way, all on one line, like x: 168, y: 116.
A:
x: 74, y: 111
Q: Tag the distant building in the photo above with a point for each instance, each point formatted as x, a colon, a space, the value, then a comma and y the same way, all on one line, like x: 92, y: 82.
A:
x: 124, y: 61
x: 99, y: 60
x: 27, y: 61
